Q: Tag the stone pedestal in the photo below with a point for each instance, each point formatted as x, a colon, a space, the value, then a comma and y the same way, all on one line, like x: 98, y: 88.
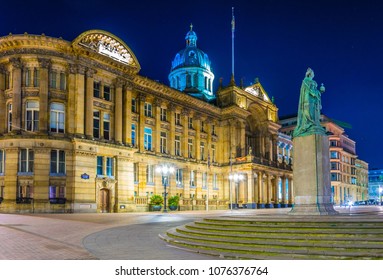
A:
x: 311, y: 173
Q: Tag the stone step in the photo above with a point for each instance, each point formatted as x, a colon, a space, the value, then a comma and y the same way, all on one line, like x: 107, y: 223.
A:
x: 309, y: 231
x: 301, y: 240
x: 267, y: 251
x: 257, y: 239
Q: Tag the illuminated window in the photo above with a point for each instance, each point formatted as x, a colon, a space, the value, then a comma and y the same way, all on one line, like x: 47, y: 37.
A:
x: 177, y: 145
x: 96, y: 124
x: 57, y: 118
x: 32, y: 116
x: 150, y: 174
x: 57, y: 162
x: 109, y: 167
x: 106, y: 126
x: 26, y: 160
x: 163, y: 142
x: 133, y: 135
x: 179, y: 178
x: 147, y: 138
x: 190, y: 148
x: 2, y: 161
x: 9, y: 121
x: 148, y: 109
x: 100, y: 165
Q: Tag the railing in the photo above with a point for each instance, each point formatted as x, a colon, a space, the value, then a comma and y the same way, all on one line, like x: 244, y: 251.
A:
x: 141, y: 200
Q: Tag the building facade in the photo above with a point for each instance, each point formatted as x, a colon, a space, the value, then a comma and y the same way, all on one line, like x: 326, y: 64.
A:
x: 82, y: 131
x: 348, y: 181
x: 375, y: 184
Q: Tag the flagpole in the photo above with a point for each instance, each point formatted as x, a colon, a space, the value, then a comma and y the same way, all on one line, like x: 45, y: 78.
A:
x: 232, y: 41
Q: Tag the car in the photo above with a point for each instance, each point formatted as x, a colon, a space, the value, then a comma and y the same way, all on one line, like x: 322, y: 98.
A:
x: 360, y: 202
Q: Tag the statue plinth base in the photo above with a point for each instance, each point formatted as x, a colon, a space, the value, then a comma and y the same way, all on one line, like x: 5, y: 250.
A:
x: 311, y: 173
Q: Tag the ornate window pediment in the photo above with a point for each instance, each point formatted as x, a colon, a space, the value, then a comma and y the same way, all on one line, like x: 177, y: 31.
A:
x: 257, y: 91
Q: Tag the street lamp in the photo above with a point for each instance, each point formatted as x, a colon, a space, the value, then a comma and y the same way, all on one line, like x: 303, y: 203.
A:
x: 235, y: 177
x: 165, y: 170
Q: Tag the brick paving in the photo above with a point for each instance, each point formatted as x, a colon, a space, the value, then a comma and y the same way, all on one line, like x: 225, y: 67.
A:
x: 112, y: 236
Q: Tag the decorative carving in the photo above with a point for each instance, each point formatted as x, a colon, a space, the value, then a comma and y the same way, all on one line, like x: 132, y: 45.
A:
x: 102, y: 105
x: 157, y: 102
x: 44, y: 62
x: 85, y: 153
x: 108, y: 46
x: 56, y: 95
x: 185, y: 112
x: 141, y: 97
x: 172, y: 107
x: 72, y: 68
x: 90, y: 72
x: 119, y: 82
x: 16, y: 62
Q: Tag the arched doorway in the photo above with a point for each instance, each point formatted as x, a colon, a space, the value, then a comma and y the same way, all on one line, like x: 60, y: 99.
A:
x: 104, y: 199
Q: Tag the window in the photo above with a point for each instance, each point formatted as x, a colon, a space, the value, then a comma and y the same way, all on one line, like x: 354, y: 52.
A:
x: 27, y: 78
x: 204, y: 180
x: 133, y: 135
x: 26, y: 158
x: 205, y: 82
x: 333, y: 143
x: 106, y: 126
x: 192, y: 178
x: 177, y: 145
x: 57, y: 162
x: 202, y: 150
x: 32, y: 116
x: 107, y: 93
x: 164, y: 114
x: 334, y: 166
x: 96, y: 124
x: 215, y: 185
x: 57, y: 118
x: 148, y: 109
x: 190, y: 123
x: 150, y: 174
x: 24, y: 194
x: 334, y: 155
x: 190, y: 148
x: 213, y: 130
x: 135, y: 172
x: 57, y: 192
x: 36, y: 77
x: 109, y: 167
x: 163, y: 142
x: 52, y: 79
x: 96, y: 89
x: 179, y: 178
x: 134, y: 105
x: 100, y: 165
x: 335, y: 177
x: 147, y: 138
x: 177, y: 118
x: 9, y: 117
x: 188, y: 80
x: 62, y: 81
x: 2, y: 161
x: 213, y: 154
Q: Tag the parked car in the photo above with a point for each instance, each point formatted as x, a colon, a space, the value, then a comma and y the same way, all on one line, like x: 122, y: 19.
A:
x: 360, y: 202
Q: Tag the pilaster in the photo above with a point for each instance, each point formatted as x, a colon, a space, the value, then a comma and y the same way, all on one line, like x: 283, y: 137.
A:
x: 45, y: 65
x: 89, y: 103
x: 127, y: 118
x: 118, y: 112
x: 16, y: 94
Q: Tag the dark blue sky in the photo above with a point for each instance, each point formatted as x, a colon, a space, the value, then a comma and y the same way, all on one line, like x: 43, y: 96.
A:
x: 275, y: 40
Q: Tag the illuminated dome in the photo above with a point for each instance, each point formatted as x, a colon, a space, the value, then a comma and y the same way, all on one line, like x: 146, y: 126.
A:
x: 190, y: 71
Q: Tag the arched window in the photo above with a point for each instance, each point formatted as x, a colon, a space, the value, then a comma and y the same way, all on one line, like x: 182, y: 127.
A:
x: 57, y: 118
x: 9, y: 117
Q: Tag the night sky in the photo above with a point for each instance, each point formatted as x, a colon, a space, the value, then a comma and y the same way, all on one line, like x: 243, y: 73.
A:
x: 275, y: 40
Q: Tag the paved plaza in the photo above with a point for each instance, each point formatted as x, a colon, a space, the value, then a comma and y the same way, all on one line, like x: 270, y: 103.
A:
x: 117, y: 236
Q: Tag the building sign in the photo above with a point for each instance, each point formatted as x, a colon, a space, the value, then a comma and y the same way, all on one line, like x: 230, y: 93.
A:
x: 85, y: 176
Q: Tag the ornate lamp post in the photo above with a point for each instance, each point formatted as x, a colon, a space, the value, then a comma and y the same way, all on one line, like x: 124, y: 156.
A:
x: 236, y: 178
x: 165, y: 170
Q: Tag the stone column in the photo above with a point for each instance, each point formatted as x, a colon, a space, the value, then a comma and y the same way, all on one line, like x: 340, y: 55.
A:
x: 89, y: 103
x: 16, y: 91
x: 284, y: 201
x: 45, y: 65
x: 171, y: 137
x: 269, y: 190
x: 3, y: 109
x: 242, y: 142
x: 118, y: 112
x: 185, y: 136
x: 127, y: 118
x: 11, y: 169
x: 41, y: 174
x: 70, y: 116
x: 157, y: 132
x: 140, y: 132
x: 291, y: 191
x: 276, y: 192
x: 233, y: 139
x: 250, y: 190
x: 79, y: 101
x: 197, y: 137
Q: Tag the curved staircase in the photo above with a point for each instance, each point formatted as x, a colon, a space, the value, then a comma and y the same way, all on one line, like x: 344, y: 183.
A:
x: 280, y: 239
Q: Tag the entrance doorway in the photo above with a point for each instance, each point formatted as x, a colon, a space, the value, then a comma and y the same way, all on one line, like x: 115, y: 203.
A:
x: 104, y: 201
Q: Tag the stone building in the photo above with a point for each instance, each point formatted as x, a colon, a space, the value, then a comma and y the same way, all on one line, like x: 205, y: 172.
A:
x: 82, y: 131
x: 346, y: 184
